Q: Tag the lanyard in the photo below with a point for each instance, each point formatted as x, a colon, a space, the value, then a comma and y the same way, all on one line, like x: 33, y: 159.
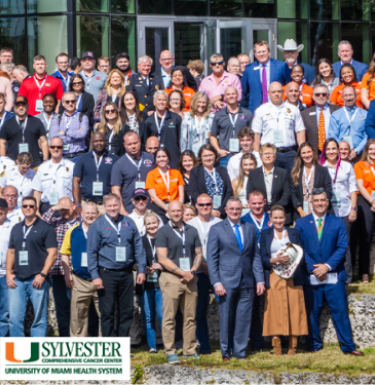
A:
x: 84, y: 231
x: 68, y: 121
x: 110, y: 138
x: 25, y: 234
x: 159, y: 127
x: 181, y: 237
x: 40, y: 87
x: 167, y: 182
x: 48, y: 121
x: 117, y: 230
x: 208, y: 230
x: 213, y: 176
x: 98, y: 162
x: 334, y: 179
x: 79, y: 100
x: 347, y: 116
x: 307, y: 180
x: 139, y: 165
x: 233, y: 121
x: 153, y: 249
x: 259, y: 226
x: 22, y: 127
x: 2, y: 120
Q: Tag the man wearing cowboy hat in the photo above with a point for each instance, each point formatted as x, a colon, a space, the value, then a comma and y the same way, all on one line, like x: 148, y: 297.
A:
x: 291, y: 52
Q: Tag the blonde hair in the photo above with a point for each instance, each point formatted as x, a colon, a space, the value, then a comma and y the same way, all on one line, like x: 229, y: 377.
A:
x: 103, y: 121
x: 150, y: 214
x: 268, y: 145
x: 187, y: 206
x: 240, y: 180
x: 194, y: 104
x: 107, y: 85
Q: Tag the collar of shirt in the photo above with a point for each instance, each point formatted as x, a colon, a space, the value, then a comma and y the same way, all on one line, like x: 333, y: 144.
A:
x: 135, y: 215
x: 233, y: 224
x: 325, y: 107
x: 233, y: 113
x: 120, y: 218
x: 267, y: 64
x: 164, y: 74
x: 270, y: 173
x: 316, y: 218
x: 351, y: 110
x: 211, y: 77
x: 277, y: 107
x: 70, y: 116
x: 351, y: 62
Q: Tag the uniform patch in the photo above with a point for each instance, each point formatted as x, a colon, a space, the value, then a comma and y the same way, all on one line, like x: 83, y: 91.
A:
x: 108, y: 160
x: 127, y: 225
x: 147, y: 163
x: 98, y: 77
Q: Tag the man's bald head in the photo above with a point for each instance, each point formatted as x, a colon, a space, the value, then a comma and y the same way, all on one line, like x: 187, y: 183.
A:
x: 67, y: 207
x: 292, y: 93
x: 233, y: 66
x: 152, y: 144
x: 10, y: 194
x: 166, y: 60
x: 231, y: 96
x: 56, y: 141
x: 275, y: 93
x: 230, y: 89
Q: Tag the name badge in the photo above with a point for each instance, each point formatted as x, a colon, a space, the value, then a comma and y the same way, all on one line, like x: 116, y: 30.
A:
x: 23, y: 147
x: 84, y: 260
x: 196, y: 148
x: 256, y: 68
x: 39, y: 106
x: 336, y: 199
x: 185, y: 264
x: 278, y: 136
x: 97, y: 189
x: 120, y: 254
x: 306, y: 207
x: 331, y: 279
x: 373, y: 195
x: 152, y: 277
x: 53, y: 198
x: 217, y: 201
x: 140, y: 184
x: 349, y: 140
x: 66, y: 147
x: 312, y: 113
x: 234, y: 145
x: 23, y: 258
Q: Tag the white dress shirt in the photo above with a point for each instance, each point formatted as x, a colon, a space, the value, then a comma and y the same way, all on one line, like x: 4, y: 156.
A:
x: 16, y: 216
x: 5, y: 164
x: 5, y: 230
x: 235, y: 163
x: 278, y: 124
x: 268, y: 180
x: 327, y: 117
x: 344, y: 186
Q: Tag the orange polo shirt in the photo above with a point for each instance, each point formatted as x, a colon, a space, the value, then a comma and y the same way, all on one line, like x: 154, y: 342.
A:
x: 155, y: 181
x: 363, y: 171
x: 371, y: 87
x: 336, y: 94
x: 188, y: 94
x: 306, y: 96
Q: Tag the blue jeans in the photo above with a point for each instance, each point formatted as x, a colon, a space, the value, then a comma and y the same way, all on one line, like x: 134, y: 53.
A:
x: 18, y: 298
x: 152, y: 305
x: 62, y: 296
x: 4, y: 307
x: 203, y: 286
x: 224, y: 160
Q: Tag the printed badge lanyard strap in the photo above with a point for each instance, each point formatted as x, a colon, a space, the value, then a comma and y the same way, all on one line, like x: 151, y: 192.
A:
x: 347, y: 116
x: 159, y: 127
x: 213, y: 176
x: 98, y: 162
x: 205, y: 234
x: 110, y: 138
x: 259, y: 226
x: 84, y: 232
x: 153, y: 249
x: 117, y: 230
x: 136, y: 165
x: 233, y: 121
x: 181, y: 237
x: 25, y: 234
x: 167, y: 182
x: 23, y: 128
x: 40, y: 87
x: 49, y: 121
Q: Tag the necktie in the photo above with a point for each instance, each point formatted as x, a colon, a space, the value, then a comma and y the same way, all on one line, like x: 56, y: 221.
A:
x: 321, y: 131
x: 320, y: 228
x: 264, y: 85
x: 237, y: 234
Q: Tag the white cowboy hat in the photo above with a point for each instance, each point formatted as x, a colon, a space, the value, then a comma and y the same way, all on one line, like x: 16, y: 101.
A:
x: 295, y: 253
x: 290, y: 45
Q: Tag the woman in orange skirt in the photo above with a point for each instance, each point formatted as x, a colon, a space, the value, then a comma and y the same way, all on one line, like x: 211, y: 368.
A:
x: 284, y: 309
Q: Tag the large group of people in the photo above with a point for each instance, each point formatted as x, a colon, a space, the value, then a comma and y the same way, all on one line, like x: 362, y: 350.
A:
x: 123, y: 188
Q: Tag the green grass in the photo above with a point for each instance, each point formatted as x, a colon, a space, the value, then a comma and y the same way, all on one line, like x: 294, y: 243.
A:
x: 329, y: 360
x: 357, y: 287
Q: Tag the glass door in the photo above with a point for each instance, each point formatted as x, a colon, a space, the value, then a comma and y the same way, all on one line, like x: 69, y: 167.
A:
x: 264, y: 29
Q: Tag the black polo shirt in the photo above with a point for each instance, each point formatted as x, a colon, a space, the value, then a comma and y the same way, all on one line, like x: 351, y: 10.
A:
x: 169, y: 136
x: 222, y: 125
x: 166, y: 237
x: 41, y: 237
x: 12, y: 133
x: 125, y: 175
x: 85, y: 169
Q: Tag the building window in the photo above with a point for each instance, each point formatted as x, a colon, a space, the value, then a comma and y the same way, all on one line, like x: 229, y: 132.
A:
x: 358, y: 35
x: 161, y: 7
x: 123, y: 6
x: 12, y: 7
x: 324, y: 9
x: 191, y: 7
x: 323, y: 38
x: 92, y: 5
x: 355, y: 10
x: 41, y: 6
x: 13, y: 35
x: 226, y: 8
x: 260, y: 8
x: 293, y: 9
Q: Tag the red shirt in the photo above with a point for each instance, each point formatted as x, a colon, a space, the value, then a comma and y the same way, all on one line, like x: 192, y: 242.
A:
x: 31, y: 91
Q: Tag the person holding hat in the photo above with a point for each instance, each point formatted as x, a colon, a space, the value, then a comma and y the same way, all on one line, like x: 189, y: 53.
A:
x: 5, y: 229
x: 23, y: 133
x: 285, y: 313
x: 94, y: 79
x: 123, y: 64
x: 291, y: 52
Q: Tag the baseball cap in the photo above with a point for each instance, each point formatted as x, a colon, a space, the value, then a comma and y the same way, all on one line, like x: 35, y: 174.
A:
x: 88, y: 54
x: 140, y: 192
x: 21, y: 99
x: 3, y: 203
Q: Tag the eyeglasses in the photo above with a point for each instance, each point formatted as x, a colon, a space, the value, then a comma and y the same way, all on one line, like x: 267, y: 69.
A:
x: 321, y: 94
x: 267, y: 154
x: 204, y: 204
x: 110, y: 111
x: 177, y: 76
x: 140, y: 199
x: 10, y: 196
x: 167, y: 58
x: 175, y: 100
x: 217, y: 63
x: 56, y: 147
x: 70, y: 101
x: 28, y: 206
x: 77, y: 83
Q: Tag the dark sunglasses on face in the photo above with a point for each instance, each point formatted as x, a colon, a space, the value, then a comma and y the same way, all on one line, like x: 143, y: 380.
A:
x: 321, y: 94
x: 28, y: 206
x: 217, y: 63
x: 77, y: 83
x: 70, y: 101
x: 204, y: 204
x: 56, y: 147
x: 110, y: 111
x: 140, y: 199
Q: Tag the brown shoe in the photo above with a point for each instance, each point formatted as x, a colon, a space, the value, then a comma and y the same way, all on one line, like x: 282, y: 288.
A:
x: 293, y: 341
x: 276, y: 344
x: 356, y: 353
x: 365, y: 278
x: 226, y: 359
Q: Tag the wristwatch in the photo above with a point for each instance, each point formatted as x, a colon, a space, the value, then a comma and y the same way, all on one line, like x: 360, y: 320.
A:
x: 193, y: 272
x: 43, y: 275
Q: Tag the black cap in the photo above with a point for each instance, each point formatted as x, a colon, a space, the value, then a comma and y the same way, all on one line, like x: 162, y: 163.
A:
x: 140, y: 192
x: 88, y: 54
x: 21, y: 99
x: 3, y: 203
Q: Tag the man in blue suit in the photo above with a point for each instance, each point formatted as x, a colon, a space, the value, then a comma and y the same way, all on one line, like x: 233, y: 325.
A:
x: 235, y: 269
x: 370, y: 120
x: 345, y: 52
x: 325, y: 243
x: 258, y: 76
x: 4, y: 115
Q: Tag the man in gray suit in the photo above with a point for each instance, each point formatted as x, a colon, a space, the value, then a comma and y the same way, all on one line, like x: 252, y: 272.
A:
x: 235, y: 269
x: 317, y: 115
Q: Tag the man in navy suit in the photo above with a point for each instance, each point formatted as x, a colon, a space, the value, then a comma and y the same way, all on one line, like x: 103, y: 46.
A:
x: 258, y: 76
x: 345, y: 52
x: 325, y: 243
x: 235, y: 269
x: 4, y: 115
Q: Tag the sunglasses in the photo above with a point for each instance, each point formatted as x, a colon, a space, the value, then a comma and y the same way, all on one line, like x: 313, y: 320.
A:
x: 70, y: 101
x: 217, y: 63
x: 56, y: 147
x: 110, y: 111
x: 28, y: 206
x: 204, y: 204
x: 77, y: 83
x: 321, y: 94
x: 140, y: 199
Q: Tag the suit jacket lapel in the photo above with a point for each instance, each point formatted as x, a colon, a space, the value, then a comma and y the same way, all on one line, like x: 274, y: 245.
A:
x: 275, y: 180
x: 269, y: 240
x: 261, y: 179
x: 201, y: 178
x: 313, y: 119
x: 313, y: 228
x: 257, y: 64
x: 229, y: 230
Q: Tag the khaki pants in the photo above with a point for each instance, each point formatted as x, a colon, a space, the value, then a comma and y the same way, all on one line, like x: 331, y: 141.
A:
x: 82, y: 293
x: 100, y: 207
x: 184, y: 295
